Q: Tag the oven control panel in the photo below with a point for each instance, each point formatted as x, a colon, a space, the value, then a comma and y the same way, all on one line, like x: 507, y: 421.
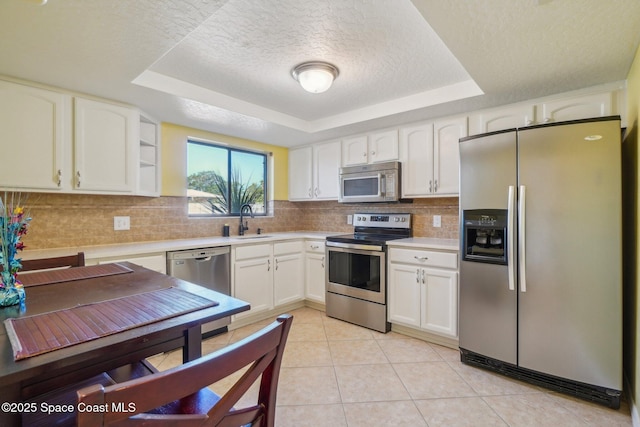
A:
x: 386, y: 220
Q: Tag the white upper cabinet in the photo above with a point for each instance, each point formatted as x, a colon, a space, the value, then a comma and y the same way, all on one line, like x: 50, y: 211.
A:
x: 430, y: 158
x: 36, y: 137
x: 355, y: 151
x: 301, y: 173
x: 106, y: 143
x: 82, y: 145
x: 446, y: 155
x: 374, y: 148
x: 502, y: 118
x: 326, y: 162
x: 556, y: 109
x: 314, y: 172
x: 583, y: 107
x: 416, y: 154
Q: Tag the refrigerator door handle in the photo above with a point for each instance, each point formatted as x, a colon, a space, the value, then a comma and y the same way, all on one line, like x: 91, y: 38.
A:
x: 522, y: 261
x: 510, y: 238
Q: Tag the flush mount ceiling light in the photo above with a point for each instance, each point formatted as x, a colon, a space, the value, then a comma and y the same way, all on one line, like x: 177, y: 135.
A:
x: 315, y: 77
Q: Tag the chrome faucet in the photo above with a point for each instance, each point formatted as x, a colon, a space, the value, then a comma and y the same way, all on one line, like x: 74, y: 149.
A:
x: 244, y: 227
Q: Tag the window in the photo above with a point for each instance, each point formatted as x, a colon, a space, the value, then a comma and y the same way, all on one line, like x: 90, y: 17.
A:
x: 221, y: 179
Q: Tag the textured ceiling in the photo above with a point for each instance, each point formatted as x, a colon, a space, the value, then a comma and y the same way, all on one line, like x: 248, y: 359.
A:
x: 224, y: 66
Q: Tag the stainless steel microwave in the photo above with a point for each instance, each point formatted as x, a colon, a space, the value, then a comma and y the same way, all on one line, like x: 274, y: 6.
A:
x: 379, y: 182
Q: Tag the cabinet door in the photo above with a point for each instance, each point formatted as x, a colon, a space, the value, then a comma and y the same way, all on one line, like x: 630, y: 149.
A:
x: 446, y: 155
x: 326, y: 158
x: 583, y: 107
x: 34, y: 122
x: 300, y: 173
x: 416, y: 153
x: 383, y: 146
x: 253, y: 282
x: 501, y: 119
x: 106, y: 138
x: 404, y: 294
x: 354, y: 151
x: 439, y: 300
x: 288, y: 279
x: 315, y: 277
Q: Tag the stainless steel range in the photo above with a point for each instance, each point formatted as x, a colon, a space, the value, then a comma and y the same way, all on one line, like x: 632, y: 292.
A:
x: 356, y: 281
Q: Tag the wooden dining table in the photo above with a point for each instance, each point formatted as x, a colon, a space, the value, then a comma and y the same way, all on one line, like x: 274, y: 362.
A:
x: 29, y: 377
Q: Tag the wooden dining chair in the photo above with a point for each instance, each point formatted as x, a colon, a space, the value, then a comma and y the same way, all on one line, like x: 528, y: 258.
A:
x: 180, y: 397
x: 76, y: 260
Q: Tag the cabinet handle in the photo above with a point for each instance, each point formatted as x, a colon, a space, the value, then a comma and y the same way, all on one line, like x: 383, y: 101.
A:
x: 423, y: 276
x: 373, y: 153
x: 364, y: 154
x: 418, y: 275
x: 276, y: 263
x: 421, y: 258
x: 528, y: 122
x: 317, y: 191
x: 310, y: 193
x: 268, y: 265
x: 547, y: 120
x: 430, y: 186
x: 322, y: 261
x: 59, y: 177
x: 435, y: 186
x: 78, y: 179
x: 314, y: 246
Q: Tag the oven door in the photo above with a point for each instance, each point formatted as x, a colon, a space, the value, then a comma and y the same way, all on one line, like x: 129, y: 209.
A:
x: 361, y: 187
x: 358, y: 273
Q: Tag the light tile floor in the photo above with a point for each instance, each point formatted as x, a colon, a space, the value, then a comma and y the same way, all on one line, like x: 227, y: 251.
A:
x: 337, y: 374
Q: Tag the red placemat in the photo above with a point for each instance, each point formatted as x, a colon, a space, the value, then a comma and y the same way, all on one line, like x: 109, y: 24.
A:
x: 33, y: 335
x: 69, y: 274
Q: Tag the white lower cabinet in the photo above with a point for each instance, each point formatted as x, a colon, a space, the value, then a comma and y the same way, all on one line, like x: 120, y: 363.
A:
x: 268, y: 275
x: 315, y: 271
x: 253, y: 279
x: 288, y: 272
x: 423, y: 290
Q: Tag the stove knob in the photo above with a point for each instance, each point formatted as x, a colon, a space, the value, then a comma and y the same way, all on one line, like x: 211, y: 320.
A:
x: 364, y: 218
x: 396, y: 219
x: 404, y: 219
x: 359, y: 218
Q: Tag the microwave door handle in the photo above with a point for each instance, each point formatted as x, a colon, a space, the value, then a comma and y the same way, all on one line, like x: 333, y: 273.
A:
x: 382, y: 179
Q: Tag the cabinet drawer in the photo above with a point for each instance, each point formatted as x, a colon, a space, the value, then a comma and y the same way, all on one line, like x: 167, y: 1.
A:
x: 252, y: 251
x: 425, y: 258
x: 315, y: 246
x: 287, y: 248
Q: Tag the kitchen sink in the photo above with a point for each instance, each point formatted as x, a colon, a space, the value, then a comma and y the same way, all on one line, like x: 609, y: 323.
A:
x: 253, y: 236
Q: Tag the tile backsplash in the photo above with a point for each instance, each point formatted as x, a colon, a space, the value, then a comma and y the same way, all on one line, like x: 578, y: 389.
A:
x: 71, y: 220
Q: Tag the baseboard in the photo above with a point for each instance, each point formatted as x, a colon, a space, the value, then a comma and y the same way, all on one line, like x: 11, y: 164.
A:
x: 267, y: 314
x: 425, y: 336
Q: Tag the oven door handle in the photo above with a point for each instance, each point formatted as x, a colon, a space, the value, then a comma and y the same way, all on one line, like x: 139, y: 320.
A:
x: 376, y: 248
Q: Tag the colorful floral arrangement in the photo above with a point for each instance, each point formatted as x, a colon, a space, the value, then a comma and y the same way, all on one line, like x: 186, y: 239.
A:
x: 13, y: 225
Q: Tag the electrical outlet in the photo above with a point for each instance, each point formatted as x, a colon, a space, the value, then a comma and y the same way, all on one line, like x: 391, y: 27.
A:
x: 121, y: 223
x: 349, y: 219
x: 437, y: 221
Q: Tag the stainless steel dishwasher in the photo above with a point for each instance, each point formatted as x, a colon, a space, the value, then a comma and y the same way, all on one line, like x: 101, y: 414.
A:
x: 208, y: 267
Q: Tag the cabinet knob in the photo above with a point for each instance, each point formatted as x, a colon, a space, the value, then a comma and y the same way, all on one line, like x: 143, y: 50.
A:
x: 59, y: 177
x: 310, y: 193
x: 268, y: 265
x: 373, y: 153
x: 430, y: 186
x: 78, y: 179
x: 435, y: 186
x: 418, y: 275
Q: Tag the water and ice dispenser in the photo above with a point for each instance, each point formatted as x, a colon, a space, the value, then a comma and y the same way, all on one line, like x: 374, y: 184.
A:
x: 485, y: 236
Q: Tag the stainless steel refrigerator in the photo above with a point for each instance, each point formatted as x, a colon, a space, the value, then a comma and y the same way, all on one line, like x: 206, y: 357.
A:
x: 541, y: 255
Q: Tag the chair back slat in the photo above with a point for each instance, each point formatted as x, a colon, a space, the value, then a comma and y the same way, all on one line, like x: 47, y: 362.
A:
x: 184, y: 387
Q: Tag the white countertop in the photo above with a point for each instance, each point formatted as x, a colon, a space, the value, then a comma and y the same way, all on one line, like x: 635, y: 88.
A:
x: 427, y: 243
x: 141, y: 248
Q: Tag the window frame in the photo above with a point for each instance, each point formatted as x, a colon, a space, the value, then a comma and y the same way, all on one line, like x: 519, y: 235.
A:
x: 230, y: 149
